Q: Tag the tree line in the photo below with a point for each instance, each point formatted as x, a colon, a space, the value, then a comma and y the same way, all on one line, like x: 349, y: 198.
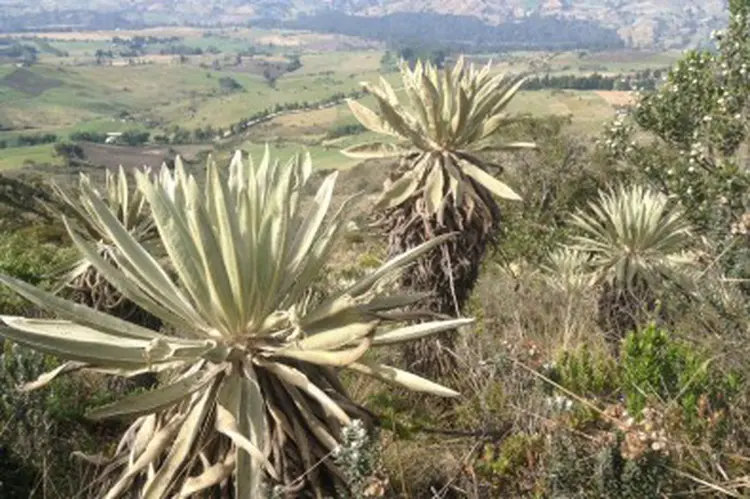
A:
x: 644, y: 80
x: 29, y: 140
x: 21, y: 52
x: 179, y: 135
x: 411, y: 54
x: 280, y: 108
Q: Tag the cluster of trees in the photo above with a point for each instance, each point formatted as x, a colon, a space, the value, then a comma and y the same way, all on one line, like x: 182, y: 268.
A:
x: 21, y: 52
x: 345, y: 131
x: 295, y: 63
x: 134, y: 137
x: 96, y: 137
x: 174, y: 135
x: 179, y: 135
x: 36, y: 139
x: 464, y: 33
x: 139, y: 41
x: 273, y: 71
x: 138, y: 45
x: 46, y: 46
x: 69, y: 151
x: 101, y: 54
x: 27, y: 48
x: 411, y: 54
x: 205, y: 134
x: 129, y: 137
x: 229, y: 84
x: 29, y: 140
x: 595, y: 81
x: 279, y: 108
x: 182, y: 49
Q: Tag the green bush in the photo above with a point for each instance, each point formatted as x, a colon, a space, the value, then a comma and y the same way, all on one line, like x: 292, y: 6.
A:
x: 586, y: 373
x: 43, y: 427
x: 69, y: 151
x: 228, y: 84
x: 96, y: 137
x: 654, y: 369
x: 24, y: 259
x: 345, y: 131
x: 135, y: 137
x: 509, y: 465
x: 26, y: 256
x: 656, y: 366
x: 32, y: 255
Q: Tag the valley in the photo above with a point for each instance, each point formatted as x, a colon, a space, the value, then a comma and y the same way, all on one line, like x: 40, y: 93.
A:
x: 187, y: 86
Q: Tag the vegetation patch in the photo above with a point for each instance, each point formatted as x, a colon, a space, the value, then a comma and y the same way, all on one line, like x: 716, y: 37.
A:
x: 29, y: 82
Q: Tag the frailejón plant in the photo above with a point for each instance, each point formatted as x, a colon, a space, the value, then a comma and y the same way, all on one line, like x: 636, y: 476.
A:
x: 251, y: 397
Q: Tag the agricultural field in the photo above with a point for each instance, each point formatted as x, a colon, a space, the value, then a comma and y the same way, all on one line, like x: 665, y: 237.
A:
x: 174, y: 82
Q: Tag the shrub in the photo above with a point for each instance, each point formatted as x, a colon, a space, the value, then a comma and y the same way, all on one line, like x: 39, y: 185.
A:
x: 345, y: 130
x: 586, y: 373
x: 579, y: 470
x: 653, y: 369
x: 358, y: 458
x: 654, y: 365
x: 99, y: 138
x: 36, y: 139
x: 25, y: 255
x: 553, y: 181
x: 229, y: 84
x: 510, y: 463
x: 135, y: 138
x: 69, y: 151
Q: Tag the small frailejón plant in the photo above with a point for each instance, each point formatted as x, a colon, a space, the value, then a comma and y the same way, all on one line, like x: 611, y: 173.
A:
x: 85, y: 284
x: 253, y: 400
x: 638, y: 242
x: 437, y: 130
x: 88, y: 286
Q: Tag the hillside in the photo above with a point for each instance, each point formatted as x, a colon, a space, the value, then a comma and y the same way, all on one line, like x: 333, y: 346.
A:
x: 671, y: 23
x: 639, y: 22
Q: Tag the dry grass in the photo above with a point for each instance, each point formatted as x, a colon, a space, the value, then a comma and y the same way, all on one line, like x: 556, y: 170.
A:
x: 298, y: 125
x: 617, y: 97
x: 110, y: 156
x: 151, y: 59
x: 517, y: 318
x: 310, y: 40
x: 522, y: 324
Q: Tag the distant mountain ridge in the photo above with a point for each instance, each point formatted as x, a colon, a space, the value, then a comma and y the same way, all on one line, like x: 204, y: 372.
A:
x: 638, y: 22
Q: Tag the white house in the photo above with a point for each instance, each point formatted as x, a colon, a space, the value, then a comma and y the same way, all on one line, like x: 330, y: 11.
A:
x: 112, y: 137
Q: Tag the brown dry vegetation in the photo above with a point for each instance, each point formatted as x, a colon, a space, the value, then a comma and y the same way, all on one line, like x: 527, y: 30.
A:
x: 110, y: 156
